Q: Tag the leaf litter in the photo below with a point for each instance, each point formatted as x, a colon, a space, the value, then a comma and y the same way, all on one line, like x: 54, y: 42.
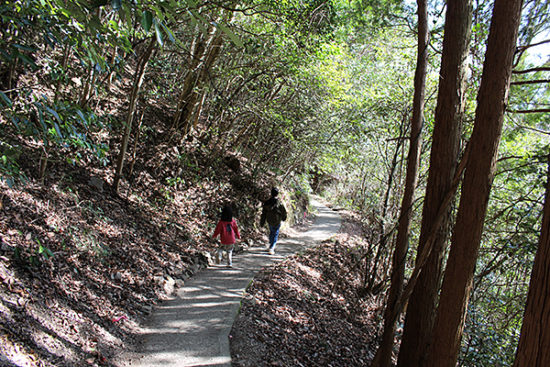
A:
x: 310, y: 310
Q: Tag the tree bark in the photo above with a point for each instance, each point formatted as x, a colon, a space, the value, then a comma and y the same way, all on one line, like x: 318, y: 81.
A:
x: 443, y: 162
x: 478, y: 178
x: 199, y: 50
x: 534, y: 341
x: 384, y: 353
x: 205, y: 54
x: 138, y: 80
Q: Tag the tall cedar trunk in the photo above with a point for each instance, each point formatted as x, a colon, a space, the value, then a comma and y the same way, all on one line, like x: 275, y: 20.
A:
x: 534, y: 342
x: 383, y: 355
x: 443, y: 160
x: 138, y: 80
x: 478, y: 178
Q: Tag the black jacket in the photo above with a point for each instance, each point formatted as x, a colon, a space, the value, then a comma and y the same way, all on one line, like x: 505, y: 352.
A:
x: 274, y: 212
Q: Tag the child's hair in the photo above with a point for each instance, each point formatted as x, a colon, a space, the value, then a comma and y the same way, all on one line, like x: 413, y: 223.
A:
x: 226, y: 213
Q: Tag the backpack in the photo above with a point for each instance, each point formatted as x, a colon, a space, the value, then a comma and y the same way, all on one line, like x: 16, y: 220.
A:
x: 275, y: 213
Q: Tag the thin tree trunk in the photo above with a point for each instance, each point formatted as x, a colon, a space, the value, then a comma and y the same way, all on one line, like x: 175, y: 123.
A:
x: 534, y: 342
x: 200, y: 50
x: 112, y: 72
x: 443, y: 159
x: 64, y: 62
x: 196, y: 54
x: 44, y: 157
x: 371, y: 272
x: 86, y: 88
x: 12, y: 83
x: 190, y: 100
x: 136, y: 141
x: 138, y: 80
x: 478, y: 178
x: 384, y: 353
x: 198, y: 109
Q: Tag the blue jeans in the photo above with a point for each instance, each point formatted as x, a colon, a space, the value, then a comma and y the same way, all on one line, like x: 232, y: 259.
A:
x: 273, y: 235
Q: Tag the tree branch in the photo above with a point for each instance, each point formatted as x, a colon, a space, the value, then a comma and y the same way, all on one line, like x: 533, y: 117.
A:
x: 536, y: 81
x: 539, y: 110
x: 523, y: 48
x: 532, y: 70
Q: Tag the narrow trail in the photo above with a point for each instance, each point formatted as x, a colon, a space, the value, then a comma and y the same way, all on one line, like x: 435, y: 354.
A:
x: 193, y: 328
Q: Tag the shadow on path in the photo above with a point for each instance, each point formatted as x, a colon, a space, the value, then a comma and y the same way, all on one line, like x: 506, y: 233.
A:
x: 193, y: 328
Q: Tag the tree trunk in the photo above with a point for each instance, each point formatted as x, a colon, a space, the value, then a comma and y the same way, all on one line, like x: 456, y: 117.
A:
x: 191, y: 99
x: 372, y: 271
x: 443, y: 161
x: 64, y: 62
x: 199, y: 50
x: 478, y: 178
x: 44, y: 157
x: 136, y: 141
x: 384, y: 353
x: 112, y: 66
x: 138, y: 80
x: 86, y: 88
x: 204, y: 55
x: 534, y: 341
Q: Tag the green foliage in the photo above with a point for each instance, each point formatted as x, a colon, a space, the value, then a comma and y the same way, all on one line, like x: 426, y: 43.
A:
x: 61, y: 125
x: 10, y: 171
x: 294, y: 88
x: 35, y: 258
x: 483, y: 345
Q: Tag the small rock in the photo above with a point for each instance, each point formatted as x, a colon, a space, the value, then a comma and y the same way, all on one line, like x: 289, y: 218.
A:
x: 205, y: 259
x: 179, y: 283
x: 21, y: 302
x: 174, y: 271
x: 169, y: 285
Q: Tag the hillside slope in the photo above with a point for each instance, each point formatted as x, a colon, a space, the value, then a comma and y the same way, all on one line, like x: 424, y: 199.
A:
x: 80, y: 265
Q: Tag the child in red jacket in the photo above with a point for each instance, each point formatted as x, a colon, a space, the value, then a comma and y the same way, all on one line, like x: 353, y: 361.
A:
x: 228, y: 231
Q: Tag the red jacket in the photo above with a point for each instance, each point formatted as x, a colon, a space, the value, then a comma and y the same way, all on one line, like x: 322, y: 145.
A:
x: 228, y: 231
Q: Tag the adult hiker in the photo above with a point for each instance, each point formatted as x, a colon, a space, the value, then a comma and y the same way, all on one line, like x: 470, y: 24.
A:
x: 274, y: 212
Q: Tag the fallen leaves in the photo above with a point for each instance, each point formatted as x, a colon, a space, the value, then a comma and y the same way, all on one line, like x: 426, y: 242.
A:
x: 307, y: 311
x: 81, y: 268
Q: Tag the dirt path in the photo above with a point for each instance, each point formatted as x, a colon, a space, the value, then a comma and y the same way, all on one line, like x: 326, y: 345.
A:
x: 193, y: 328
